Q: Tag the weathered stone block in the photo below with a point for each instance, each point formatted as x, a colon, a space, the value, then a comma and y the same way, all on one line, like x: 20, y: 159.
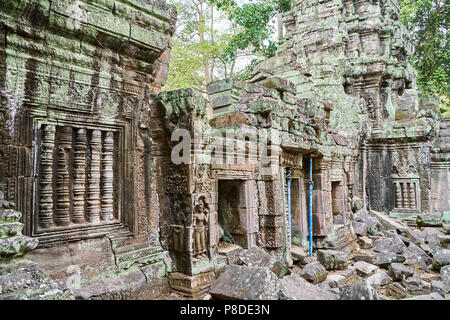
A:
x: 399, y: 271
x: 445, y: 276
x: 379, y: 279
x: 359, y: 291
x: 438, y: 287
x: 441, y: 258
x: 293, y: 287
x: 365, y: 243
x: 384, y: 259
x: 314, y: 272
x: 194, y: 287
x: 246, y: 283
x: 333, y: 260
x: 365, y: 269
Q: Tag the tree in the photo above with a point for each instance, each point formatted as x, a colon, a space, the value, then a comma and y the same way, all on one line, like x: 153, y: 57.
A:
x: 428, y: 21
x: 254, y: 18
x: 202, y: 35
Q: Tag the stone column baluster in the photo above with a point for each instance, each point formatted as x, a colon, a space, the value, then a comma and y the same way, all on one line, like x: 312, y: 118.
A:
x: 46, y: 176
x: 107, y: 177
x: 79, y: 176
x: 93, y: 198
x: 412, y: 195
x: 62, y: 179
x: 398, y: 194
x: 405, y: 195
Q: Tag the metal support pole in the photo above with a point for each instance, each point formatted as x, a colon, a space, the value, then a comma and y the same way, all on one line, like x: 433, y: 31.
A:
x: 289, y: 180
x: 310, y: 206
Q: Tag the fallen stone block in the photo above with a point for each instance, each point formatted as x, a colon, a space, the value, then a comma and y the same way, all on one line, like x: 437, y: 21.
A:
x: 414, y: 236
x: 443, y: 241
x: 379, y: 279
x: 446, y: 227
x: 349, y: 274
x: 428, y: 276
x: 416, y: 285
x: 387, y: 222
x: 431, y: 296
x: 416, y: 256
x: 280, y: 270
x: 373, y: 226
x: 438, y: 287
x: 332, y: 259
x: 246, y: 283
x: 384, y: 259
x: 365, y: 243
x: 256, y: 257
x: 382, y: 245
x: 314, y: 272
x: 359, y: 291
x: 364, y: 255
x: 364, y: 269
x: 427, y: 249
x: 308, y: 260
x: 395, y: 289
x: 445, y: 276
x: 399, y: 271
x: 429, y: 220
x: 441, y: 258
x: 298, y: 254
x: 431, y: 236
x: 293, y: 287
x: 334, y: 280
x: 360, y: 228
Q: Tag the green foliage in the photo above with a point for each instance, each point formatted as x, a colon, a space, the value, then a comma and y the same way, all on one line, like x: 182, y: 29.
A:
x: 428, y: 21
x: 254, y: 18
x: 198, y: 46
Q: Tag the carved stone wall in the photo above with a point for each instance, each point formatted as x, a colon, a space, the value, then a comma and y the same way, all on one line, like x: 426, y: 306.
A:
x: 76, y: 108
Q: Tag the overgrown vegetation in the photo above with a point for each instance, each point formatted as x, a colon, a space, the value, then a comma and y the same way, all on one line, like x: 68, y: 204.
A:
x: 227, y: 38
x: 428, y: 21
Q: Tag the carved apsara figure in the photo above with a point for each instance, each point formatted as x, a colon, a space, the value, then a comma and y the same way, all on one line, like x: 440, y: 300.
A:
x: 201, y: 214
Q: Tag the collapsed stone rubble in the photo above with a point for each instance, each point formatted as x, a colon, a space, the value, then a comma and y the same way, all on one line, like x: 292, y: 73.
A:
x: 335, y: 275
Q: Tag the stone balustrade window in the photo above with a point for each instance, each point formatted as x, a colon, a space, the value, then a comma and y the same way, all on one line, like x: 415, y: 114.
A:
x: 77, y: 177
x: 407, y: 193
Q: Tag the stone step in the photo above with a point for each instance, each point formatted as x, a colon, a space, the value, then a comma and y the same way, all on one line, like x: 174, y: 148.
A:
x: 10, y: 215
x: 16, y: 246
x: 10, y: 229
x: 125, y: 257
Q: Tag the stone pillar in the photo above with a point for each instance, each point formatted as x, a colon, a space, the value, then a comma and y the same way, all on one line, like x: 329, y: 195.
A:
x: 107, y: 177
x: 62, y: 191
x: 79, y: 176
x: 94, y: 177
x: 412, y: 195
x: 62, y: 179
x: 46, y: 177
x: 398, y: 194
x: 405, y: 195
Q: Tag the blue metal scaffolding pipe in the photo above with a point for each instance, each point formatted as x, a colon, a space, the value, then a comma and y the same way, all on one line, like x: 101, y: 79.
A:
x: 310, y: 206
x: 288, y: 178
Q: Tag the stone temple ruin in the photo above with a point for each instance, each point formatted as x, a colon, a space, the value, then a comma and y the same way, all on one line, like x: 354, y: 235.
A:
x: 91, y: 192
